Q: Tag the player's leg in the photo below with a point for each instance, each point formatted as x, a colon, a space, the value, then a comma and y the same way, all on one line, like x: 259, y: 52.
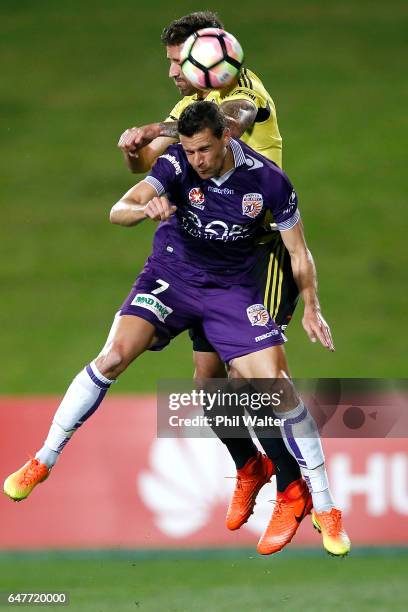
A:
x: 293, y: 500
x: 207, y: 364
x: 286, y: 467
x: 302, y: 439
x: 253, y: 468
x: 281, y: 295
x: 129, y: 337
x: 145, y: 321
x: 273, y: 273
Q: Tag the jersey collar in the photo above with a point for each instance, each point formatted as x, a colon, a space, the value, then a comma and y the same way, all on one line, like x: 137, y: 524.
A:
x: 238, y: 153
x: 239, y: 160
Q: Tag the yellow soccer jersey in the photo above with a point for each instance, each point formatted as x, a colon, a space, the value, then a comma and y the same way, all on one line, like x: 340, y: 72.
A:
x: 264, y: 134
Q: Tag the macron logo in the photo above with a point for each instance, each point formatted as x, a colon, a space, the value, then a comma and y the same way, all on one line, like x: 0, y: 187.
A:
x: 253, y: 163
x: 173, y: 161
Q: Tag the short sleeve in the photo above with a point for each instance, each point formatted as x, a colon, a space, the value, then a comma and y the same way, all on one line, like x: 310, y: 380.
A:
x: 285, y: 205
x: 165, y: 172
x: 245, y: 93
x: 175, y: 113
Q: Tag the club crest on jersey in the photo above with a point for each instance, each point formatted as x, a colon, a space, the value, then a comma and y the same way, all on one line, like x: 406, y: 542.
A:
x: 196, y: 197
x: 257, y: 314
x: 252, y: 204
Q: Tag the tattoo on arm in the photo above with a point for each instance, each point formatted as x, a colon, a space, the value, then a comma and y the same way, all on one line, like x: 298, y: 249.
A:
x: 169, y: 129
x: 240, y: 115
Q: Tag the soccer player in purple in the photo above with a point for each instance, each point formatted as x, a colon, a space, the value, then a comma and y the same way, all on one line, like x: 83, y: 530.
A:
x: 210, y: 193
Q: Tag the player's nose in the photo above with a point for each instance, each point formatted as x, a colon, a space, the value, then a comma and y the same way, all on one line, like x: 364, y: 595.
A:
x: 174, y: 71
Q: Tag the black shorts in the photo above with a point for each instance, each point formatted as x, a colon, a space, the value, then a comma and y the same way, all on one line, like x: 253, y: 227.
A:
x: 273, y: 272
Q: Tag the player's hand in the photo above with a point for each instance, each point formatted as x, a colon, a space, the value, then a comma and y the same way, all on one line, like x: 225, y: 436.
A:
x: 136, y: 138
x: 159, y: 209
x: 317, y: 328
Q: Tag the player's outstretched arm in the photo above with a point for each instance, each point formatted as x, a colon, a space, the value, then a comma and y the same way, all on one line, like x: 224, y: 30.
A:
x: 139, y: 203
x: 240, y: 115
x: 304, y: 273
x: 141, y: 146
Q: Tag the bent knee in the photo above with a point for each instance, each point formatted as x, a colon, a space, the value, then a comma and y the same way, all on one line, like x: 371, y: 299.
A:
x: 112, y: 361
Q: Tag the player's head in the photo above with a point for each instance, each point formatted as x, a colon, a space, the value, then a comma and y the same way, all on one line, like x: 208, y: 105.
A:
x: 176, y: 34
x: 204, y: 137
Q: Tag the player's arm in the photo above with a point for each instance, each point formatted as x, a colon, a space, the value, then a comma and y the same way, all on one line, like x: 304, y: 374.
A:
x: 141, y: 146
x: 139, y: 203
x: 240, y: 115
x: 304, y: 273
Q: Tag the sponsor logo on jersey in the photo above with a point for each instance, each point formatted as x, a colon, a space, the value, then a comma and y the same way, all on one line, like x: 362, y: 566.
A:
x: 291, y: 204
x: 150, y: 302
x: 214, y: 230
x: 196, y: 197
x: 239, y: 92
x: 252, y: 204
x: 223, y: 191
x: 273, y: 332
x: 258, y: 315
x: 173, y: 161
x: 253, y: 163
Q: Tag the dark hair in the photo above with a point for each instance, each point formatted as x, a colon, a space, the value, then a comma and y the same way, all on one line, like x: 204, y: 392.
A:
x: 180, y: 29
x: 199, y: 116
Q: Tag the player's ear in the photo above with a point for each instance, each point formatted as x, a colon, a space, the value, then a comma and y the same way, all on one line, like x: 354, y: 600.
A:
x: 226, y: 136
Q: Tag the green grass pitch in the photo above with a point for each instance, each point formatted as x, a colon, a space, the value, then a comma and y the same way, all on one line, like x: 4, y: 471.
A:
x: 76, y: 73
x: 240, y: 581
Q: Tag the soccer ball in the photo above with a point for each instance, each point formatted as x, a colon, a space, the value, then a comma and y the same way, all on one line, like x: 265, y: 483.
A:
x: 211, y: 58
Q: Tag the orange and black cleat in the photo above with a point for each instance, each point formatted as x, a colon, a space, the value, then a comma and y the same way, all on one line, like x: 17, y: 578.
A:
x: 250, y: 480
x: 291, y: 507
x: 19, y: 485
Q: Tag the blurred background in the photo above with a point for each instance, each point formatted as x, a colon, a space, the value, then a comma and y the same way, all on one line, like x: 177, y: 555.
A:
x: 75, y: 75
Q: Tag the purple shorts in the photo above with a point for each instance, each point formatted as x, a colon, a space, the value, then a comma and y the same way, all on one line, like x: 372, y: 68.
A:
x: 234, y: 319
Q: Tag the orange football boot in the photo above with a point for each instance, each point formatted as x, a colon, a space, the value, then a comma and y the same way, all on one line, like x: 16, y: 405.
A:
x: 19, y: 485
x: 335, y: 539
x: 250, y: 479
x: 291, y: 507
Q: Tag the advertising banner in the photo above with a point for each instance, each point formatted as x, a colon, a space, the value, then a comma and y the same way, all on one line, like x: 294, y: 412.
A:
x: 117, y: 485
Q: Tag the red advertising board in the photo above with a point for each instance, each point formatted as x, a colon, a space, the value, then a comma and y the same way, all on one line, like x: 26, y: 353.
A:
x: 118, y: 486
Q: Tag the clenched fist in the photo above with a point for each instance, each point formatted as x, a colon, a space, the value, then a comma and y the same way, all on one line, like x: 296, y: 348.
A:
x: 136, y: 138
x: 159, y: 209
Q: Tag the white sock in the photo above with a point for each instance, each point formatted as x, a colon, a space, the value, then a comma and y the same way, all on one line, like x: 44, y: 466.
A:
x: 318, y: 484
x: 301, y: 437
x: 82, y: 398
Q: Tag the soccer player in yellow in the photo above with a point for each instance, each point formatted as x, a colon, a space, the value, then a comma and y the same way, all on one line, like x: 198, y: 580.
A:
x: 251, y: 116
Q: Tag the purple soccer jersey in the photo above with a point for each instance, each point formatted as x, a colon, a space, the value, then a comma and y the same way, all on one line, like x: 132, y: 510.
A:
x: 212, y: 234
x: 199, y: 270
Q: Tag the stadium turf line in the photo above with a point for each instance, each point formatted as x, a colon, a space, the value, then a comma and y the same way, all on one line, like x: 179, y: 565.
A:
x: 188, y: 553
x: 363, y: 582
